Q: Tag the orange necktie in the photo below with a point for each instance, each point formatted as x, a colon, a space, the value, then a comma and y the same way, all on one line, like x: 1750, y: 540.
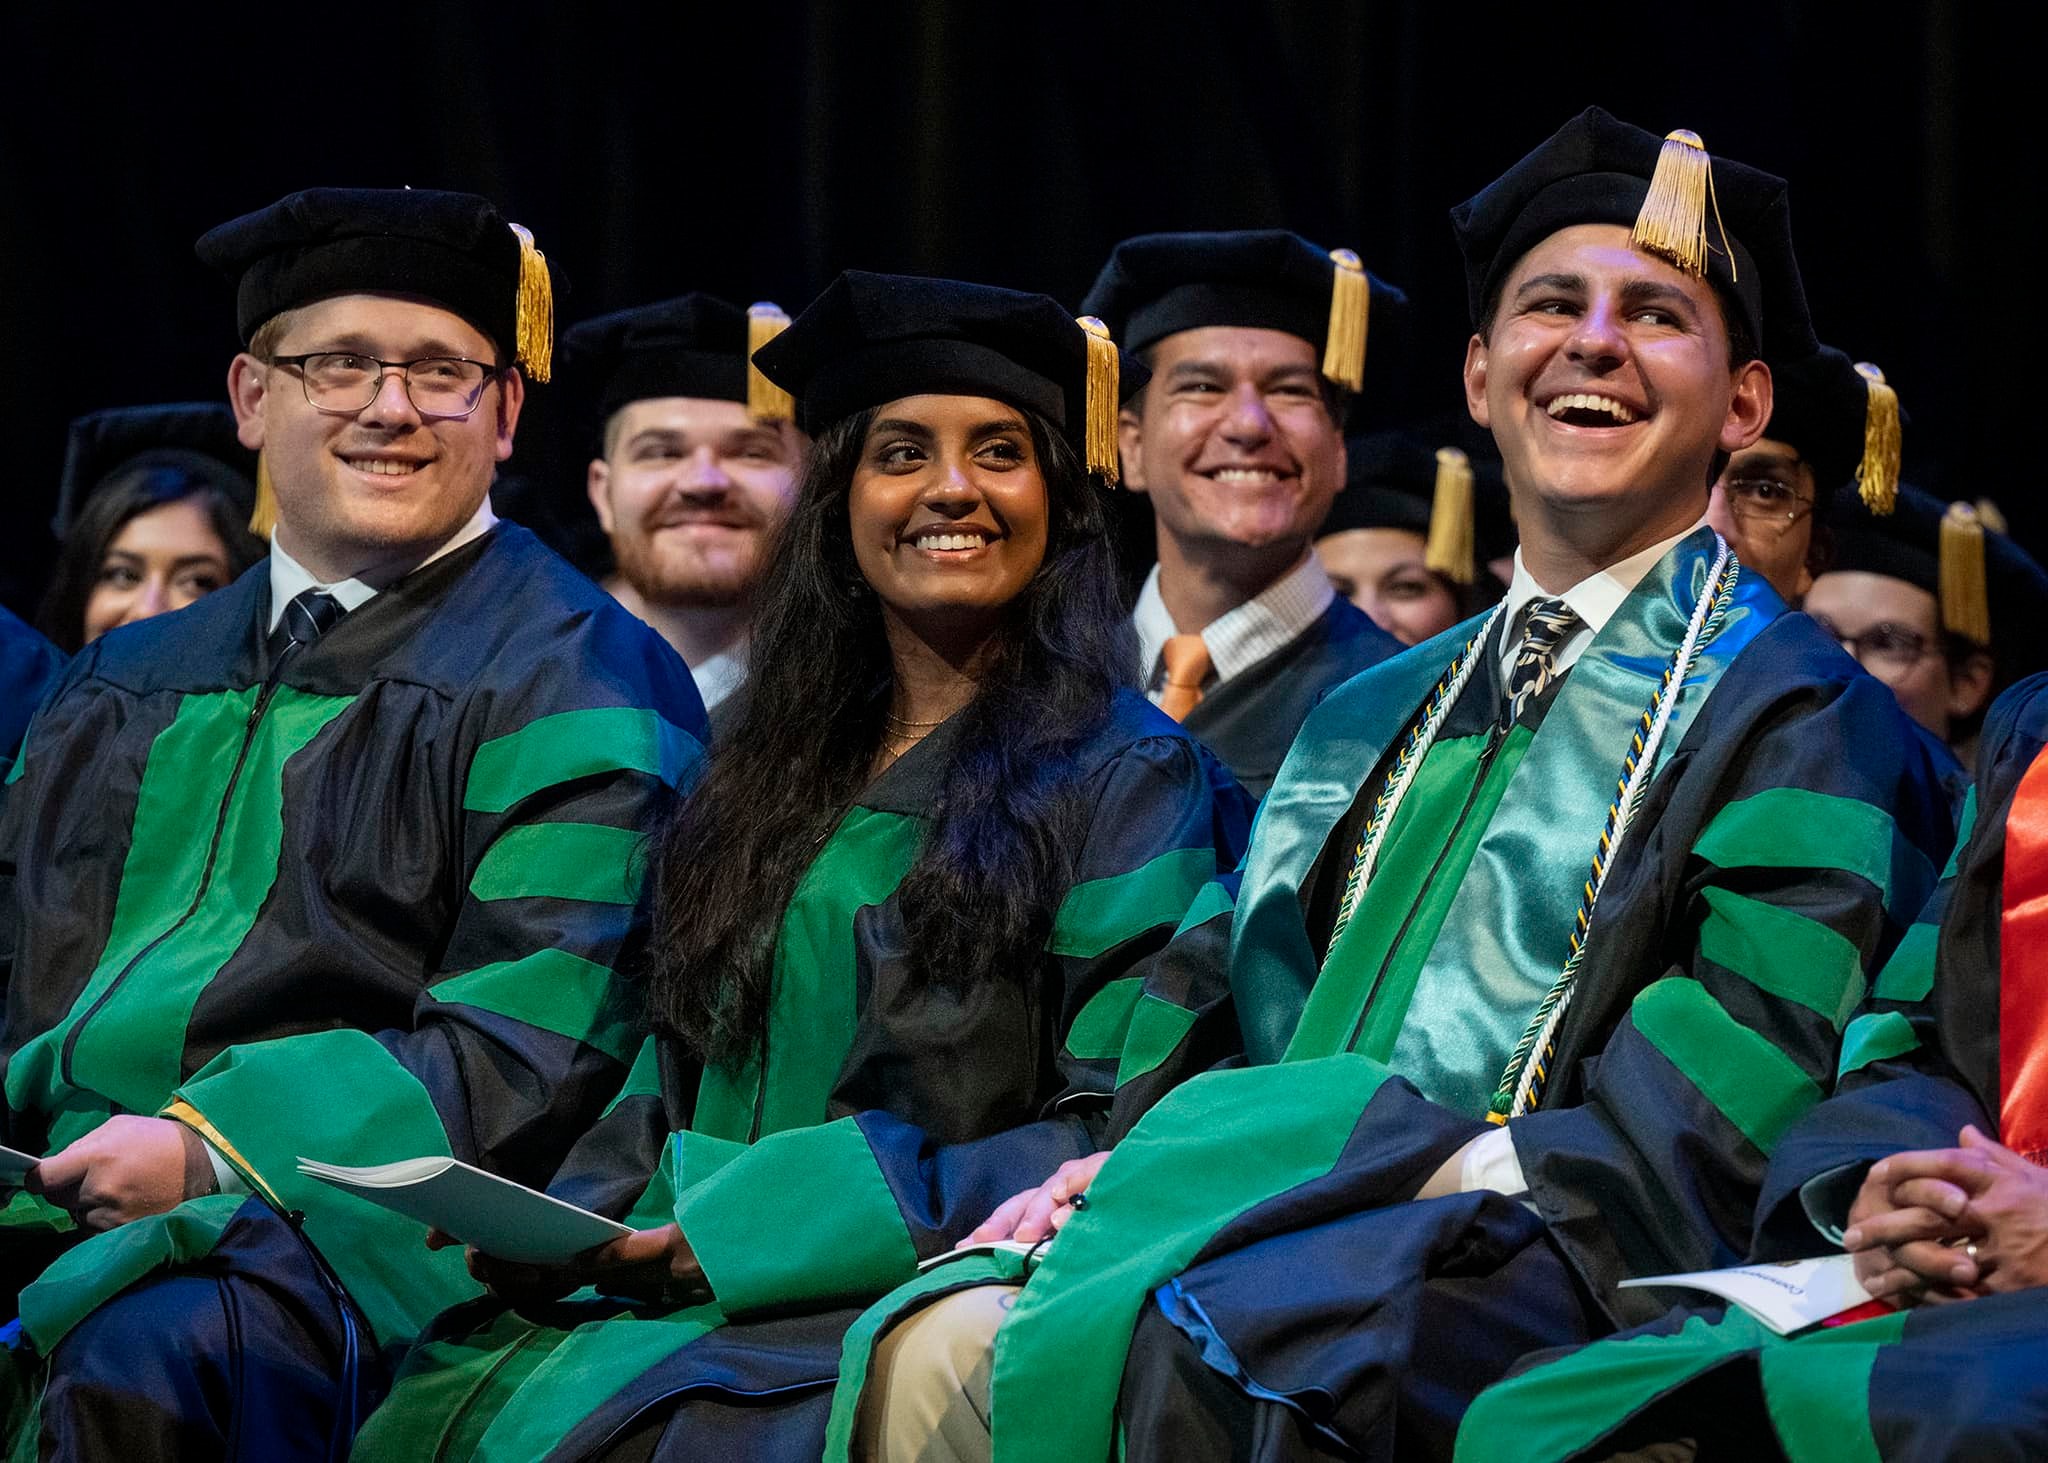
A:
x: 1187, y: 666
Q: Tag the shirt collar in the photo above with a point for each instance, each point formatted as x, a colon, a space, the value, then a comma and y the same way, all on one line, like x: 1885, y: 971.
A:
x: 1246, y: 635
x: 718, y: 676
x: 1594, y: 598
x: 289, y: 578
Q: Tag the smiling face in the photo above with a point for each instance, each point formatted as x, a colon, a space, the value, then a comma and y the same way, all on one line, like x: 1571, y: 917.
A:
x: 1763, y: 505
x: 691, y: 492
x: 1235, y: 443
x: 1606, y: 381
x: 948, y: 513
x: 160, y: 561
x: 1383, y: 571
x: 384, y: 485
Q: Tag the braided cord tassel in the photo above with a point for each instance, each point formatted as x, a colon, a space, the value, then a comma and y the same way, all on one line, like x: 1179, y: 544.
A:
x: 1365, y: 858
x: 1528, y: 1070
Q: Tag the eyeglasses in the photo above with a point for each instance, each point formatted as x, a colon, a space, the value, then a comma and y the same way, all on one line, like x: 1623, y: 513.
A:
x: 1765, y: 500
x: 343, y: 383
x: 1892, y: 647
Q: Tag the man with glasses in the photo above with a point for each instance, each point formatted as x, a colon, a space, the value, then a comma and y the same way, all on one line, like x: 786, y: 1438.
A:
x: 1939, y: 606
x: 338, y: 862
x: 1771, y: 499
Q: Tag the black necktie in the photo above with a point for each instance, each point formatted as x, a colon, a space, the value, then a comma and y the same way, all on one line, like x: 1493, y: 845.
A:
x: 1550, y: 622
x: 309, y: 616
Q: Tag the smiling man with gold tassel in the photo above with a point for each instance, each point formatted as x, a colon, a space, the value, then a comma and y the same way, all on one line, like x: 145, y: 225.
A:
x: 1547, y: 931
x: 337, y: 862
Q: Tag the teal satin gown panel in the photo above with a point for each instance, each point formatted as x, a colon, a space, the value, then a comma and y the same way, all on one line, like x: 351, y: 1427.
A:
x: 1272, y: 960
x: 1507, y: 935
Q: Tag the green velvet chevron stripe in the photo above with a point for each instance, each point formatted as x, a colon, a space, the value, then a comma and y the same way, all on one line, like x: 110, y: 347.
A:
x: 1876, y: 1037
x: 1817, y: 1388
x: 588, y: 861
x: 1098, y: 1032
x: 1101, y: 914
x: 592, y: 742
x: 555, y: 991
x: 1157, y: 1027
x: 1909, y: 974
x: 1214, y: 899
x: 1797, y: 828
x: 1783, y: 952
x: 1749, y: 1081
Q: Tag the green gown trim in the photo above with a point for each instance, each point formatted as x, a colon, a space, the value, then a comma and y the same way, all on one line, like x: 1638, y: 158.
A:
x: 811, y: 1021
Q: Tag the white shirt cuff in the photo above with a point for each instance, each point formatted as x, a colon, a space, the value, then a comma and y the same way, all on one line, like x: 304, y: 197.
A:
x: 1491, y: 1163
x: 225, y: 1179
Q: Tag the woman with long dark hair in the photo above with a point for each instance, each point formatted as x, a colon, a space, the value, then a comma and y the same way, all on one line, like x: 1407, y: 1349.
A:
x: 153, y: 514
x: 905, y: 923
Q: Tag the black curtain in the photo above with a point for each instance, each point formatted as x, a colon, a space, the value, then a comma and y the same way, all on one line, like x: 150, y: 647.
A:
x: 754, y: 149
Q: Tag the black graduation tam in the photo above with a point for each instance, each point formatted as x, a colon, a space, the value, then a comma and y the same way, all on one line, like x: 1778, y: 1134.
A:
x: 1843, y: 420
x: 1989, y: 588
x: 1714, y: 217
x: 697, y: 345
x: 871, y: 338
x: 192, y: 438
x: 451, y: 248
x: 1158, y: 285
x: 1403, y: 479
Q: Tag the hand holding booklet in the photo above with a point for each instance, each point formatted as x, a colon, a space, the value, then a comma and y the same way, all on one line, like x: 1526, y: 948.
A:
x: 1786, y: 1297
x: 503, y: 1219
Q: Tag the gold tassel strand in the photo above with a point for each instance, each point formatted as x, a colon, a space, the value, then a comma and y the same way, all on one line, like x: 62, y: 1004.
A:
x: 534, y: 314
x: 1877, y: 475
x: 766, y: 402
x: 1965, y: 595
x: 263, y: 519
x: 1672, y: 222
x: 1451, y: 535
x: 1350, y: 305
x: 1103, y: 398
x: 1992, y: 517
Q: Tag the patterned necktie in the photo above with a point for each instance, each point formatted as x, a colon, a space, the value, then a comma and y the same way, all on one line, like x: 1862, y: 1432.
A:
x: 1549, y: 623
x: 1187, y: 666
x: 311, y: 614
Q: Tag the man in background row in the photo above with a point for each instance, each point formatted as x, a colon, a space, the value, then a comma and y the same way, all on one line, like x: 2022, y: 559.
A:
x: 1238, y: 444
x: 696, y: 471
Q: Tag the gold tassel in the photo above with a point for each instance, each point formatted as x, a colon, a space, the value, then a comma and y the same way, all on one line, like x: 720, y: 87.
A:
x: 1450, y: 550
x: 766, y: 402
x: 1350, y: 304
x: 1992, y: 517
x: 1965, y: 596
x: 534, y: 315
x: 1672, y: 222
x: 263, y: 520
x: 1103, y: 399
x: 1877, y: 475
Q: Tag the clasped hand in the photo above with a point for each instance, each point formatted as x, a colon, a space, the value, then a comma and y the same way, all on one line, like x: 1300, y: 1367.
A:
x: 653, y: 1265
x: 1951, y: 1223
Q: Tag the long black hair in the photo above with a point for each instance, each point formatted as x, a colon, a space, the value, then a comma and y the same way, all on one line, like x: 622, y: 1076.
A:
x: 112, y: 506
x: 996, y: 858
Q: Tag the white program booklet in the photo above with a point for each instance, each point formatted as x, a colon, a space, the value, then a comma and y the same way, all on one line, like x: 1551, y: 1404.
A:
x: 14, y: 1165
x: 505, y: 1220
x: 1786, y: 1297
x: 1032, y: 1251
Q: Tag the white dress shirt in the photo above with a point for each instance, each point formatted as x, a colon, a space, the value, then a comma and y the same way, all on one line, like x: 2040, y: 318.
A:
x: 1240, y: 638
x: 289, y: 578
x: 718, y: 676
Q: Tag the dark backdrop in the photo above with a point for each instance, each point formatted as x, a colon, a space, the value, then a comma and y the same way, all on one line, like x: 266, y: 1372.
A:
x: 754, y: 149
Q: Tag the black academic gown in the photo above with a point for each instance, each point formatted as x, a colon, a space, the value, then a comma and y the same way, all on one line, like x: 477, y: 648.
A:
x: 1921, y: 1059
x: 1250, y: 720
x: 359, y: 900
x: 889, y: 1116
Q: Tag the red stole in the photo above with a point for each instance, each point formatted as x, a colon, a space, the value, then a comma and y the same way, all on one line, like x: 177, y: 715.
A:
x: 2023, y: 973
